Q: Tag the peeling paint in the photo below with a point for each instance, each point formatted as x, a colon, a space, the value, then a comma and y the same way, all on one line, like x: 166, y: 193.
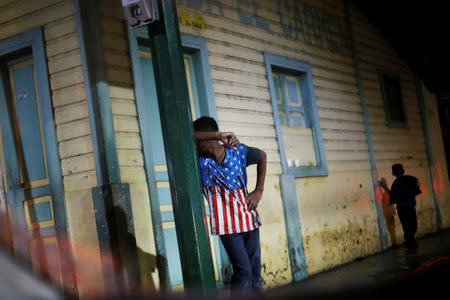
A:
x: 275, y: 266
x: 329, y: 248
x: 297, y: 268
x: 277, y: 187
x: 426, y: 220
x: 273, y: 277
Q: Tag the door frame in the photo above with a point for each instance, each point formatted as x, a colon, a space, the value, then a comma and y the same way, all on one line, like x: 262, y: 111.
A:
x: 34, y: 39
x: 196, y: 46
x: 5, y: 231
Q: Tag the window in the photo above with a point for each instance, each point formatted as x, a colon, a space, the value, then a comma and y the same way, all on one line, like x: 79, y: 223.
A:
x: 289, y: 99
x: 296, y: 120
x: 393, y: 100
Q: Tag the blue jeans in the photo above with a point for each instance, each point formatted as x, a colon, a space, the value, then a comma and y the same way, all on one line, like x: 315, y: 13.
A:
x: 244, y: 252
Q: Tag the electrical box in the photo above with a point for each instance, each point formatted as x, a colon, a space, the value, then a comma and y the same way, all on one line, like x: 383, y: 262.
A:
x: 140, y: 12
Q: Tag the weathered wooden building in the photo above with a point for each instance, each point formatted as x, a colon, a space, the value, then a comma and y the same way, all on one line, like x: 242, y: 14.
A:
x: 312, y: 83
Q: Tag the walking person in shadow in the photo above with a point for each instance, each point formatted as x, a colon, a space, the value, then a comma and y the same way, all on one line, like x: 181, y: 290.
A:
x: 403, y: 193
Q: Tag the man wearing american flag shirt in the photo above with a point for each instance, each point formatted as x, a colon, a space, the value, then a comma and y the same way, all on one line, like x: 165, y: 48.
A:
x: 233, y: 214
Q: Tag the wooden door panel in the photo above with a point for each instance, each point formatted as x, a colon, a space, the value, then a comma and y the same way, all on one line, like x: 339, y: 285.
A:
x: 28, y: 126
x: 28, y: 188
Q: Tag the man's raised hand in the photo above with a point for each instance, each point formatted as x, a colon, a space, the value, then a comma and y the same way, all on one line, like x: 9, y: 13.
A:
x: 228, y: 139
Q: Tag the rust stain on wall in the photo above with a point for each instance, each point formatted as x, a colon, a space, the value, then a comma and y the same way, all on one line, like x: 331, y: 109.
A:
x: 426, y: 220
x: 332, y: 247
x: 275, y: 269
x: 273, y: 278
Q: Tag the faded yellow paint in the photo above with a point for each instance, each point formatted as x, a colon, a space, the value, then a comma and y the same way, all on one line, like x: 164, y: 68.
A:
x: 69, y: 95
x: 338, y: 219
x: 337, y: 213
x: 78, y: 164
x: 71, y: 112
x: 330, y: 247
x: 83, y: 236
x: 299, y: 146
x: 128, y: 139
x: 342, y: 204
x: 275, y: 268
x: 144, y: 234
x: 274, y: 256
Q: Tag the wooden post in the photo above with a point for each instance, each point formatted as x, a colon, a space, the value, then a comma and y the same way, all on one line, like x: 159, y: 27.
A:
x: 111, y: 197
x: 182, y: 161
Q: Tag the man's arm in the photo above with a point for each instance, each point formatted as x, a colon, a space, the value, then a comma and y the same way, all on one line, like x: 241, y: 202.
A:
x: 382, y: 183
x: 417, y: 190
x: 227, y: 138
x: 392, y: 197
x: 254, y: 197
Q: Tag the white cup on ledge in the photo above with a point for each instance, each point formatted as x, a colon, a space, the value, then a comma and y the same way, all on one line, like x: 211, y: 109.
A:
x: 290, y: 163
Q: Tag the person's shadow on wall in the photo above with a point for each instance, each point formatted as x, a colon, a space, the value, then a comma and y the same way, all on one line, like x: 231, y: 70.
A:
x: 389, y: 214
x: 135, y: 260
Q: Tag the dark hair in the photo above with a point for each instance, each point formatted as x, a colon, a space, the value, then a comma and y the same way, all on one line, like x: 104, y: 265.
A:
x: 205, y: 124
x: 397, y: 169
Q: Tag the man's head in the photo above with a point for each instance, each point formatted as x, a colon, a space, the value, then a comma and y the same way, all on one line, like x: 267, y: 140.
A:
x: 397, y: 170
x: 206, y: 124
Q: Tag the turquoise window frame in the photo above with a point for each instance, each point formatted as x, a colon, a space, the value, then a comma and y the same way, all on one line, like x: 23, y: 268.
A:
x: 197, y: 47
x: 287, y: 65
x: 389, y: 122
x: 285, y: 106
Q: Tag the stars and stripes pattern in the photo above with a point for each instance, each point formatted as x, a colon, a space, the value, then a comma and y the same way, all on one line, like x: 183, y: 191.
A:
x: 231, y: 173
x: 225, y: 188
x: 229, y: 212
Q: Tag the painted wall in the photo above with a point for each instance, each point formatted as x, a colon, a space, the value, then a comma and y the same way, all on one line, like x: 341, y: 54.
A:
x: 439, y: 172
x: 275, y: 267
x: 337, y: 215
x: 58, y: 21
x: 394, y: 145
x: 244, y: 107
x: 337, y: 212
x: 128, y: 139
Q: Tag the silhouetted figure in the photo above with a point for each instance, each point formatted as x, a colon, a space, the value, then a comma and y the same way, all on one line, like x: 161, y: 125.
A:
x: 403, y: 193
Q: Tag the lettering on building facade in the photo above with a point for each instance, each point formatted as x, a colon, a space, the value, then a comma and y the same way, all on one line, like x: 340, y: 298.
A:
x: 297, y: 20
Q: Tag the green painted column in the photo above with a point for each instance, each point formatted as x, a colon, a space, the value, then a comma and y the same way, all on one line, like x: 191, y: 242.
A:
x: 182, y: 162
x: 111, y: 197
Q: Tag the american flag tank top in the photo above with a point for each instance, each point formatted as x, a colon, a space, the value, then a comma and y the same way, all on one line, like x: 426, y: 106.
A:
x: 225, y: 188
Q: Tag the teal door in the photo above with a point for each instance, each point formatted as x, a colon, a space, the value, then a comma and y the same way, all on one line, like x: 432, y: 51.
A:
x: 159, y: 166
x: 27, y: 154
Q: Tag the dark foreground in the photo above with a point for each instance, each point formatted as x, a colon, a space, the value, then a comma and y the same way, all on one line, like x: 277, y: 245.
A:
x: 397, y: 272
